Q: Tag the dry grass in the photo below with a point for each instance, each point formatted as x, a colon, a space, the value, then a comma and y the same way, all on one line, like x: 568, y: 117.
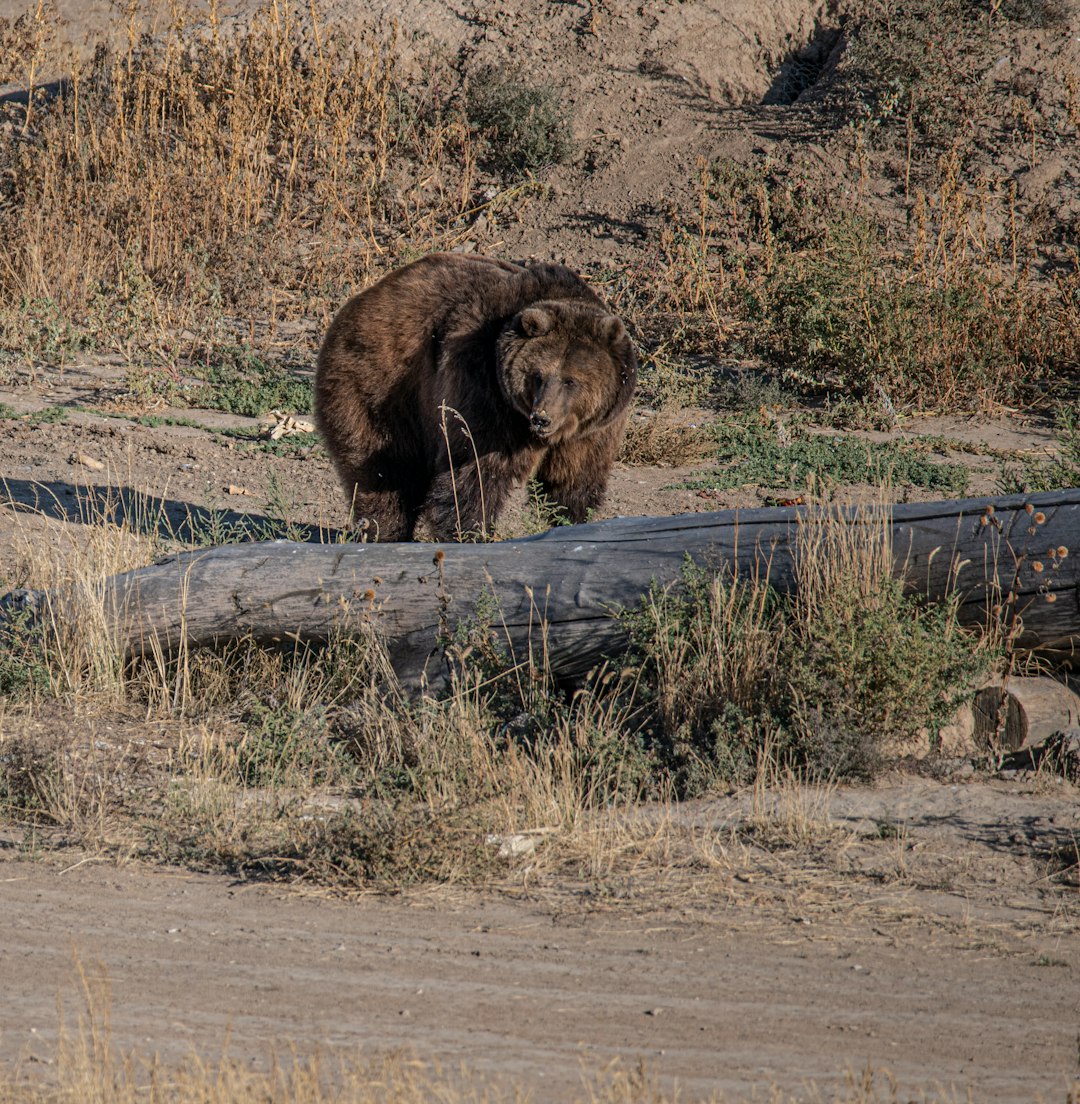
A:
x: 669, y: 439
x: 73, y: 652
x: 177, y: 181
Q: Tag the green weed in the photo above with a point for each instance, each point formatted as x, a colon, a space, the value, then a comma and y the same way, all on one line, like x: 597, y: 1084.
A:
x: 23, y: 662
x: 284, y: 746
x: 783, y: 453
x: 1063, y: 470
x: 37, y: 330
x: 522, y: 123
x: 49, y: 415
x: 285, y: 446
x: 925, y: 68
x: 239, y: 381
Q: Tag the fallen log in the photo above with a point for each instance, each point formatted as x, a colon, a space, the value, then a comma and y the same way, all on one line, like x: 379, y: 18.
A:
x: 559, y: 592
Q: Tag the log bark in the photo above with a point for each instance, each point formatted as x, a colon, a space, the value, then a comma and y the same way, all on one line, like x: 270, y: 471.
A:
x: 558, y: 592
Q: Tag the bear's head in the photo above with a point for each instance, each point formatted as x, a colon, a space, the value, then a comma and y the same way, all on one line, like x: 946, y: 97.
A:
x: 567, y: 366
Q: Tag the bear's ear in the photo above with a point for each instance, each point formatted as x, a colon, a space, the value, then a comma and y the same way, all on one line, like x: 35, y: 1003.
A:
x: 612, y: 329
x: 535, y: 321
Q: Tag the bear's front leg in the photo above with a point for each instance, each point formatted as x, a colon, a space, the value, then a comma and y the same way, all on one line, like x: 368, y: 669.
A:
x: 465, y: 500
x: 573, y: 475
x: 382, y: 495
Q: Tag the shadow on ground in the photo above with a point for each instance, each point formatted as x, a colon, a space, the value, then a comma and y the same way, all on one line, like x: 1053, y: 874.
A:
x: 166, y: 519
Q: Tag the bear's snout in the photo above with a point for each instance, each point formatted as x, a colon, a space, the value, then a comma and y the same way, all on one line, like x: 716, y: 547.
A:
x: 539, y: 420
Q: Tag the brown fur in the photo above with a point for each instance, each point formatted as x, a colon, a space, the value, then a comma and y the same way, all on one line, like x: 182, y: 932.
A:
x: 456, y: 377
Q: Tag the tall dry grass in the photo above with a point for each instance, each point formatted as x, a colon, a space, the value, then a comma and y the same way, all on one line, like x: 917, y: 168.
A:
x: 176, y: 181
x: 961, y: 306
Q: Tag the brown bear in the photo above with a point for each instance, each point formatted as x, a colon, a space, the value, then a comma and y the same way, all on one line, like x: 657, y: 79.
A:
x: 457, y: 377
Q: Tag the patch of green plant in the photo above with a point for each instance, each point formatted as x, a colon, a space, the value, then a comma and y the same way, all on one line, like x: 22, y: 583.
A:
x: 40, y: 330
x: 541, y: 512
x: 208, y: 528
x: 23, y: 769
x: 23, y: 667
x: 283, y: 746
x: 523, y: 702
x: 669, y: 380
x: 523, y: 123
x: 783, y: 454
x: 7, y: 411
x: 848, y: 315
x: 841, y: 304
x: 1049, y: 475
x: 239, y: 381
x: 397, y: 844
x: 124, y: 310
x: 148, y: 385
x: 923, y: 62
x: 49, y: 415
x: 156, y: 421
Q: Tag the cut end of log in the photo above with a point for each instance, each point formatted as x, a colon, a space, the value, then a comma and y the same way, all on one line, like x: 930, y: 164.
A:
x: 1024, y: 713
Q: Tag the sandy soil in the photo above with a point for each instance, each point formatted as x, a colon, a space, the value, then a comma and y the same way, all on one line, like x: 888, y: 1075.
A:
x: 943, y: 946
x: 945, y: 954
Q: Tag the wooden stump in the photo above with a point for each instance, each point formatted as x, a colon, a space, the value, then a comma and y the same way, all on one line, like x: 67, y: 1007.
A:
x: 1023, y: 713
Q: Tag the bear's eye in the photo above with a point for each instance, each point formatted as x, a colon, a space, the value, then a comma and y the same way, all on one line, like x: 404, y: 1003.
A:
x: 569, y: 384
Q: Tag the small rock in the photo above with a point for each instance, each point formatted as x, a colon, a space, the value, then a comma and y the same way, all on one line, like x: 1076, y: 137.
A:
x: 87, y: 461
x: 510, y: 846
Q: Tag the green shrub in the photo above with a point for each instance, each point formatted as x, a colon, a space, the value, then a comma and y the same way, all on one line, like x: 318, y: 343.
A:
x: 870, y: 673
x: 1049, y: 475
x: 523, y: 123
x: 924, y: 65
x: 750, y: 453
x: 831, y: 680
x: 283, y: 746
x: 239, y: 381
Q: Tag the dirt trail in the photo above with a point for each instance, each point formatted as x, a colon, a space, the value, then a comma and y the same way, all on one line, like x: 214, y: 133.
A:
x: 946, y: 955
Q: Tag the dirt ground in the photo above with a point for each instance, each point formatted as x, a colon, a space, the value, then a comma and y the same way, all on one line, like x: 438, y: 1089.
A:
x: 941, y: 953
x: 935, y: 936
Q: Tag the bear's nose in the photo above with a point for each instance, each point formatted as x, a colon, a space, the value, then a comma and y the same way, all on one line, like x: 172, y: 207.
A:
x: 540, y: 419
